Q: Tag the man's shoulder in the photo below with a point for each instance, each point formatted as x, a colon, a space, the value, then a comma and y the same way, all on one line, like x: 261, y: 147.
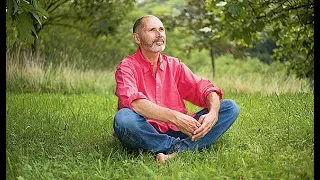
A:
x: 128, y: 60
x: 171, y: 59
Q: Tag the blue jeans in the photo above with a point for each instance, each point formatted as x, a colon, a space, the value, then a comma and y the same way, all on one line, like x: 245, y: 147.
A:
x: 135, y: 133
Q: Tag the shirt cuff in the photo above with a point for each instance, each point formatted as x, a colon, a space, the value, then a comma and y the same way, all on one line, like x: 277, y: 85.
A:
x: 135, y: 96
x: 214, y: 89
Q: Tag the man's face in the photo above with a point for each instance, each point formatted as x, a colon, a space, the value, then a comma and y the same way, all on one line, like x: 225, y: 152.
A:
x: 151, y: 36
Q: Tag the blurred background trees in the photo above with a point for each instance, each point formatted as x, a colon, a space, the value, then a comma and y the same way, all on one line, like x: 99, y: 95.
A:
x: 97, y: 34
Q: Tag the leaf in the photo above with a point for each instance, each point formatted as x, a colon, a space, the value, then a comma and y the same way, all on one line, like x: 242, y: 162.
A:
x: 221, y: 4
x: 35, y: 15
x: 15, y: 6
x: 234, y: 9
x: 26, y: 21
x: 25, y: 27
x: 259, y: 26
x: 42, y: 12
x: 25, y: 34
x: 9, y: 7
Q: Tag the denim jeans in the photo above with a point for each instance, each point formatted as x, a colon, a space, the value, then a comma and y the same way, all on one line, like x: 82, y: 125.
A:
x: 135, y: 133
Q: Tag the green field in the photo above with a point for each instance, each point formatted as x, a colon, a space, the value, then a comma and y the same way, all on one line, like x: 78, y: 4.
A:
x: 59, y: 125
x: 69, y: 136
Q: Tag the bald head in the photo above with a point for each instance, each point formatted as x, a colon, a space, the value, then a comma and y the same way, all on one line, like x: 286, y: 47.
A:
x: 138, y: 24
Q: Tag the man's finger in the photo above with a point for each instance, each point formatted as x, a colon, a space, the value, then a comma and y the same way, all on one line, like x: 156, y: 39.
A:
x: 201, y: 118
x: 202, y: 127
x: 197, y: 136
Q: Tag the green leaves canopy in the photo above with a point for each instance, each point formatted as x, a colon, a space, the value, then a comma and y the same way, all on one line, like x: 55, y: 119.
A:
x: 290, y: 23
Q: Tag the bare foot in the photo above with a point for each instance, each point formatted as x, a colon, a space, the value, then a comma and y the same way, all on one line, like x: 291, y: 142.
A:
x: 164, y: 157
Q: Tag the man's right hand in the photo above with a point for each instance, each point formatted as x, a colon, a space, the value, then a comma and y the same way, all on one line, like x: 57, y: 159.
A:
x: 186, y: 123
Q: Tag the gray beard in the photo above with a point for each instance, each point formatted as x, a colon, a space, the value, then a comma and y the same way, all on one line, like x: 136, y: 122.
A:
x: 153, y: 47
x: 156, y: 48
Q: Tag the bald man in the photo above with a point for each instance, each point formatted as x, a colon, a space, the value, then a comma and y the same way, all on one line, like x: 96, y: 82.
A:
x: 151, y: 88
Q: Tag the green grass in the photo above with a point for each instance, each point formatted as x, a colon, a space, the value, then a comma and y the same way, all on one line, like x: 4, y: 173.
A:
x: 68, y: 136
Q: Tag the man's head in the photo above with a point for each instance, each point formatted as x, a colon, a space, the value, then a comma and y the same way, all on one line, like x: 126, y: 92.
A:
x: 149, y: 33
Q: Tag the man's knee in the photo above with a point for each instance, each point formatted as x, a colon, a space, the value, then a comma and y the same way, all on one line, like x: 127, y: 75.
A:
x: 123, y: 117
x: 231, y: 106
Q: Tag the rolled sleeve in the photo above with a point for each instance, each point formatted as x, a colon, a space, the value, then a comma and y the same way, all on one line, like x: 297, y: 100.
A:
x: 214, y: 89
x: 135, y: 96
x: 205, y: 87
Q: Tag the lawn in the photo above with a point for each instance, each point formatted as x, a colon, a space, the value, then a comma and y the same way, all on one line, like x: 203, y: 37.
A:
x: 69, y: 136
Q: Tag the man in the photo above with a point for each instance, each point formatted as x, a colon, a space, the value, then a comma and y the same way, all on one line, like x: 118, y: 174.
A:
x: 151, y: 88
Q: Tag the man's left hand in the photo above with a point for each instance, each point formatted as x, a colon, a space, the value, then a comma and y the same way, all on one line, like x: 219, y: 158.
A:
x: 207, y: 121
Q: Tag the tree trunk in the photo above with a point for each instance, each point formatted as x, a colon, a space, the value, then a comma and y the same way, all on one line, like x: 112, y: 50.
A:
x: 36, y: 42
x: 36, y: 47
x: 212, y: 62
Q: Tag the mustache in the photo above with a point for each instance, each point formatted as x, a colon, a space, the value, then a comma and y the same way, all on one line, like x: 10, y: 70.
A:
x: 158, y: 39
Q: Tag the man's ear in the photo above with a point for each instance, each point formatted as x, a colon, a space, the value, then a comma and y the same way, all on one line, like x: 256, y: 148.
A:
x: 136, y: 38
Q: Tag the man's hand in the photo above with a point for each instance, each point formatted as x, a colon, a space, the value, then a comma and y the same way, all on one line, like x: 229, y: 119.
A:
x: 207, y: 121
x: 186, y: 123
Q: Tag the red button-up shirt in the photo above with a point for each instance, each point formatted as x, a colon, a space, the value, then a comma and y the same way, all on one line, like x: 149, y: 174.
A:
x: 174, y: 82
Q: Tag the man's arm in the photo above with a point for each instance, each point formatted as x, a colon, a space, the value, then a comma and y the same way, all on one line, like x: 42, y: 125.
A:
x: 208, y: 120
x: 185, y: 123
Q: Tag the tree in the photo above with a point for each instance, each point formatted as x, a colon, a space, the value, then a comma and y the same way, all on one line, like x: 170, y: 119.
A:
x: 227, y: 25
x: 263, y: 51
x: 290, y: 23
x: 207, y: 28
x: 98, y: 17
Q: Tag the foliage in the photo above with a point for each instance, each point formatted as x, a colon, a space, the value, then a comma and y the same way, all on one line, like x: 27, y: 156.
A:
x: 97, y: 17
x: 206, y: 30
x: 289, y: 23
x: 56, y: 136
x: 233, y: 26
x: 24, y: 15
x: 87, y: 32
x: 91, y: 19
x: 263, y: 51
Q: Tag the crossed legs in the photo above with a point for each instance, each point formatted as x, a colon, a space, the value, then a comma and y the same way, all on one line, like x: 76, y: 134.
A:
x: 136, y: 133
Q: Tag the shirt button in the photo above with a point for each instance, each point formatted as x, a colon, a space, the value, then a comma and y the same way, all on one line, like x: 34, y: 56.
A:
x: 158, y: 102
x: 157, y: 86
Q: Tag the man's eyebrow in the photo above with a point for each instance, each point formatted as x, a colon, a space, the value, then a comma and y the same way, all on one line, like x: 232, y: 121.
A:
x: 161, y: 27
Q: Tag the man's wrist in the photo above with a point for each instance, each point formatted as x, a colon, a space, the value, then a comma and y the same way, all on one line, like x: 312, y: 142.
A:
x: 171, y: 116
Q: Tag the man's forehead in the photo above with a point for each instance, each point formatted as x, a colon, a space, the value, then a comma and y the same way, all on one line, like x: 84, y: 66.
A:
x: 151, y: 21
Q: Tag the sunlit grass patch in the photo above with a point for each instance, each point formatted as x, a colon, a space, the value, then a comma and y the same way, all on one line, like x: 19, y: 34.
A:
x: 56, y: 136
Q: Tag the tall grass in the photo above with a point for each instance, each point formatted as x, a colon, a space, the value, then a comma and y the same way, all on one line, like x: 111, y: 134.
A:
x: 250, y: 75
x: 30, y: 74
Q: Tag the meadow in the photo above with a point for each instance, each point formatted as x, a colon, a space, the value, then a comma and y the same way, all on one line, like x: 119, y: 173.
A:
x: 59, y: 126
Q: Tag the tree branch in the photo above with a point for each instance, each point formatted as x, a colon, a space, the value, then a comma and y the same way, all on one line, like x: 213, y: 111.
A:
x: 55, y: 7
x: 70, y: 26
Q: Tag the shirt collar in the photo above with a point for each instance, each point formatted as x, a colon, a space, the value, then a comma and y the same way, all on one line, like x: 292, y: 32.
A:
x: 146, y: 65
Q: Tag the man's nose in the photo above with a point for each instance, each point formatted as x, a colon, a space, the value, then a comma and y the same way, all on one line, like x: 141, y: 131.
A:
x: 158, y: 33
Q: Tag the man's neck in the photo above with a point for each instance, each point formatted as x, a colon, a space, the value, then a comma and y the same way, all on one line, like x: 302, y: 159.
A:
x: 150, y: 56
